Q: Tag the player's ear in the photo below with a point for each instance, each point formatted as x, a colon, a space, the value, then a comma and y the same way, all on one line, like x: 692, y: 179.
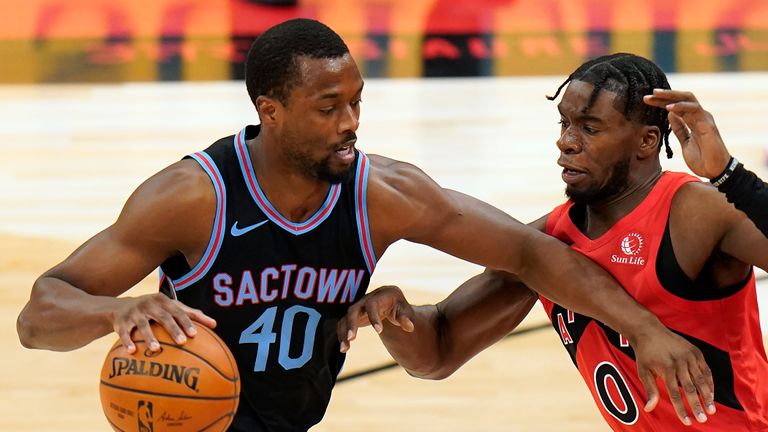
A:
x: 650, y: 140
x: 267, y: 109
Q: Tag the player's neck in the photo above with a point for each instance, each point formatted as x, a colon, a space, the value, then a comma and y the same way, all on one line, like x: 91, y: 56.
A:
x: 293, y: 194
x: 600, y: 217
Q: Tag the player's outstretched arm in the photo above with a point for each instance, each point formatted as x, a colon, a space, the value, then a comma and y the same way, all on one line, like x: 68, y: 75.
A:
x: 405, y: 203
x: 706, y: 155
x: 432, y: 341
x: 75, y: 302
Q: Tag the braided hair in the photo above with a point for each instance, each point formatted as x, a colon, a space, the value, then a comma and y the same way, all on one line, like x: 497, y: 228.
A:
x: 631, y: 77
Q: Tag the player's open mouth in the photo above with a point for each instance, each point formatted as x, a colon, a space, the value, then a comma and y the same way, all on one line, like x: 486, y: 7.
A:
x: 572, y: 175
x: 346, y: 153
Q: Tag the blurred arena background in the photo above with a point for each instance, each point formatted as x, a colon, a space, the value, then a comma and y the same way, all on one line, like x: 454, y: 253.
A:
x: 96, y: 95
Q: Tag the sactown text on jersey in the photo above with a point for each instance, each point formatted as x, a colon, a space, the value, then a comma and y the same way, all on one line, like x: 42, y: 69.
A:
x: 323, y: 285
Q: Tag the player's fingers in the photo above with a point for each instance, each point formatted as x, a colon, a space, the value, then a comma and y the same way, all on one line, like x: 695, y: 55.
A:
x: 649, y: 382
x: 403, y: 317
x: 183, y: 317
x: 691, y: 391
x: 655, y: 101
x: 124, y: 333
x: 355, y: 316
x: 661, y: 98
x: 142, y: 325
x: 168, y: 321
x: 373, y: 311
x: 346, y: 328
x: 685, y: 108
x: 670, y: 380
x: 341, y: 335
x: 705, y: 383
x: 679, y: 128
x: 195, y: 315
x: 670, y: 95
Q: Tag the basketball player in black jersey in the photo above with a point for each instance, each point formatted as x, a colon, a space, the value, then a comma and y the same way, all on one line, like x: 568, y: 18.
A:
x: 270, y: 234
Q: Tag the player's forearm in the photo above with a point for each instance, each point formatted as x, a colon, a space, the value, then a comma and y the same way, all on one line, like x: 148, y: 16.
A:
x: 572, y: 280
x: 480, y: 312
x: 746, y: 191
x: 61, y: 317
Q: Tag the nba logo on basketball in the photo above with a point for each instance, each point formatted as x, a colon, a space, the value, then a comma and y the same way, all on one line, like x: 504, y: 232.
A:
x: 631, y: 246
x: 144, y: 416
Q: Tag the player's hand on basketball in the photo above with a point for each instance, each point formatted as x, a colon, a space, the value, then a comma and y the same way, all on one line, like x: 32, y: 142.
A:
x: 384, y: 303
x: 137, y: 312
x: 703, y: 149
x: 684, y: 371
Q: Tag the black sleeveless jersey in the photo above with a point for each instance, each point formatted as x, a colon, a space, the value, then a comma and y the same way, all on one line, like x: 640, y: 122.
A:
x: 277, y: 288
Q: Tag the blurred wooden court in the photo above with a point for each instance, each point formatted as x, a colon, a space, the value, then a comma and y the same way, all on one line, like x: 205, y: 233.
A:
x: 73, y: 153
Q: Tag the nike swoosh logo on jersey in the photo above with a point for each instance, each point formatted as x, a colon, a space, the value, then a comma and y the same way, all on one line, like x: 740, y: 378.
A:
x: 237, y: 232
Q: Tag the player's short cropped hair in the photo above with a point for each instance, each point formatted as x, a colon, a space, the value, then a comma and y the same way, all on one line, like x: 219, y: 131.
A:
x: 271, y: 68
x: 631, y: 77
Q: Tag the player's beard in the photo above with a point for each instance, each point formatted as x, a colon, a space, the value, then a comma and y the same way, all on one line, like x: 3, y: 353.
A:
x: 321, y: 169
x: 324, y: 172
x: 617, y: 183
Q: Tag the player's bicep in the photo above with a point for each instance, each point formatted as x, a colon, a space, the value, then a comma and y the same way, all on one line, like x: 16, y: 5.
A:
x: 107, y: 264
x: 731, y: 230
x: 404, y: 203
x: 476, y: 231
x: 745, y: 242
x: 163, y: 216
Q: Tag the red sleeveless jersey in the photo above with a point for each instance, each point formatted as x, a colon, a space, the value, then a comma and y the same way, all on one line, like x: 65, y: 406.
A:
x: 723, y: 324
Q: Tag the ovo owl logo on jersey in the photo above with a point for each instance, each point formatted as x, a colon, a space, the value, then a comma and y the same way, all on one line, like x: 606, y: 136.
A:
x: 632, y: 244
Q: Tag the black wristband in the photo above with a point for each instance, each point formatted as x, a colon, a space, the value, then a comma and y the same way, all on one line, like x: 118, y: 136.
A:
x: 747, y: 193
x: 717, y: 181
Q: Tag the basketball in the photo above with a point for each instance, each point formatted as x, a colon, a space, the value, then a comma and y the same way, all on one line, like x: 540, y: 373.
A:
x: 189, y: 387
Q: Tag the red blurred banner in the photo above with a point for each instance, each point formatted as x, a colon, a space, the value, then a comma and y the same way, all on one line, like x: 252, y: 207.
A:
x: 121, y: 40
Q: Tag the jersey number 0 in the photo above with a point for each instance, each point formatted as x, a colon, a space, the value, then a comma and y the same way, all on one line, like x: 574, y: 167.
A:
x: 624, y: 409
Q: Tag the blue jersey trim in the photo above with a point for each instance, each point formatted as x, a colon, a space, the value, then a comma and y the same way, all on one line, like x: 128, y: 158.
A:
x: 361, y: 211
x: 218, y: 232
x: 249, y: 176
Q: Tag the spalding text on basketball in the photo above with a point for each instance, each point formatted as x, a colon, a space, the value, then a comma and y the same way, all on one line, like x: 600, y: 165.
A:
x: 170, y: 372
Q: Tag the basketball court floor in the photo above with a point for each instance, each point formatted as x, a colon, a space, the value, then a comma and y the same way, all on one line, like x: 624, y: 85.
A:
x: 71, y: 155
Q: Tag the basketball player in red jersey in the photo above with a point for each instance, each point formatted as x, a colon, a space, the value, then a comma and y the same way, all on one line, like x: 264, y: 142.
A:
x: 277, y: 228
x: 676, y: 245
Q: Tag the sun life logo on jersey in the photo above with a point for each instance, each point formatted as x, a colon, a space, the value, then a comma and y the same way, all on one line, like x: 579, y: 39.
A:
x: 630, y: 246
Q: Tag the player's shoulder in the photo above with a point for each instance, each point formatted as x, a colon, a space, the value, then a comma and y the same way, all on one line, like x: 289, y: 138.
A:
x: 184, y: 180
x: 401, y: 196
x: 396, y: 175
x: 698, y: 207
x: 389, y: 167
x: 175, y: 207
x: 180, y: 188
x: 694, y: 196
